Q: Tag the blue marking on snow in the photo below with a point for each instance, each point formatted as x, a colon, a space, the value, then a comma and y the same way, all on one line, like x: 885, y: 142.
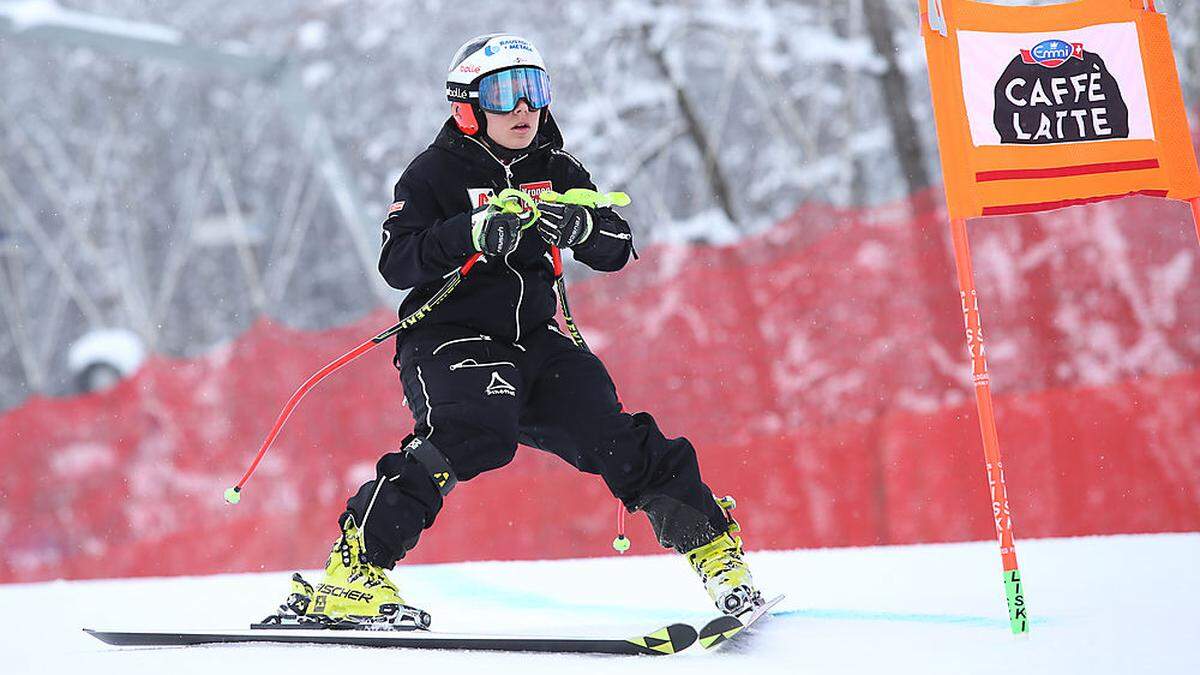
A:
x: 466, y: 586
x: 903, y: 617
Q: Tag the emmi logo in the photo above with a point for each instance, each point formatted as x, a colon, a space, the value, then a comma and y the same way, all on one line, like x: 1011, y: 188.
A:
x: 1052, y: 53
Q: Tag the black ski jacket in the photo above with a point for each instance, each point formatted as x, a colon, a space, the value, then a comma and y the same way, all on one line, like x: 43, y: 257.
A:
x: 427, y: 234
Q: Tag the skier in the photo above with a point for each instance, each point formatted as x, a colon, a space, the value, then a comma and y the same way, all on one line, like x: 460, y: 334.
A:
x: 489, y: 367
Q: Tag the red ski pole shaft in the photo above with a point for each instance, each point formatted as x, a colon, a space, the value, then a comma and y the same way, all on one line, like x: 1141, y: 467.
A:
x: 621, y: 543
x: 233, y: 494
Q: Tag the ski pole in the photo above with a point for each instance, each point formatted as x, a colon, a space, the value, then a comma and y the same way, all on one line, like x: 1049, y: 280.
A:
x: 233, y: 495
x: 592, y: 199
x: 582, y: 197
x: 511, y: 201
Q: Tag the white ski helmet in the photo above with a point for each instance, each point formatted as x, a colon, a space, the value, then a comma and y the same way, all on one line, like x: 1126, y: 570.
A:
x: 520, y: 71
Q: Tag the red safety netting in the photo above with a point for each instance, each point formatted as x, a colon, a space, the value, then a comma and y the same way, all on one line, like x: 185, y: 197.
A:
x: 823, y: 379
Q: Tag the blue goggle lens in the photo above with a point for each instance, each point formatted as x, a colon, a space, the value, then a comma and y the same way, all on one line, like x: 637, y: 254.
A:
x: 500, y: 92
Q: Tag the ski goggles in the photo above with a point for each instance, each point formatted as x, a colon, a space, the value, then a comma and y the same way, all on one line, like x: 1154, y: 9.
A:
x: 500, y: 92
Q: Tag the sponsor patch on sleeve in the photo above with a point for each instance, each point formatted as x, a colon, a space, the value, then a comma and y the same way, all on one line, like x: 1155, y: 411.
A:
x: 396, y: 207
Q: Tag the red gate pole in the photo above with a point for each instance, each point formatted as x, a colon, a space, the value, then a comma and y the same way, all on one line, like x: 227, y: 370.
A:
x: 1196, y: 213
x: 1017, y: 615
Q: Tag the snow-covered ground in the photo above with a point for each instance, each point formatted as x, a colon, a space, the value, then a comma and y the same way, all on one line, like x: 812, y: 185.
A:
x: 1128, y: 604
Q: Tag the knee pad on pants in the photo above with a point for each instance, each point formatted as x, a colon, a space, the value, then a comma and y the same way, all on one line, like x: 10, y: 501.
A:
x: 403, y: 499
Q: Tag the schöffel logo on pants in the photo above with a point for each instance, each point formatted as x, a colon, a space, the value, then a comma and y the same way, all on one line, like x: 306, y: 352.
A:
x: 499, y: 386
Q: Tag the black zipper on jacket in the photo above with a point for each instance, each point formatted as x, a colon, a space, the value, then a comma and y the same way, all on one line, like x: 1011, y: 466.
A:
x: 508, y: 180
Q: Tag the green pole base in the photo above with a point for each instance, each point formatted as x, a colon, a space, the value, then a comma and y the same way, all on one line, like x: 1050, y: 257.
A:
x: 233, y: 495
x: 1018, y: 615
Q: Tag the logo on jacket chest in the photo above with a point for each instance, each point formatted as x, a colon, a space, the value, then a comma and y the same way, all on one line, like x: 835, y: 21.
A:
x: 536, y: 188
x: 480, y: 196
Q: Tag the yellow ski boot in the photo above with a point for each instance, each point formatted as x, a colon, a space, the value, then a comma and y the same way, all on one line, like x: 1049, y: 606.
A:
x: 724, y: 573
x: 353, y: 592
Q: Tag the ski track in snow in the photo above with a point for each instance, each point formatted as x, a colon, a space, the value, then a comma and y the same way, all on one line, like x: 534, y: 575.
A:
x: 1125, y: 604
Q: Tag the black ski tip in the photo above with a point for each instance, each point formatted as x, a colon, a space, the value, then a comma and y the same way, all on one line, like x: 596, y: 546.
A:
x: 665, y: 641
x: 108, y: 637
x: 719, y: 630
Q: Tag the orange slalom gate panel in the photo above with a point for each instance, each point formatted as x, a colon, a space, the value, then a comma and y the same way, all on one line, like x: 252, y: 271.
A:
x: 1040, y: 108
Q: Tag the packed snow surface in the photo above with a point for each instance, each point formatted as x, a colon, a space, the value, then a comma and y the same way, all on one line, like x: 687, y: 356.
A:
x: 1099, y: 605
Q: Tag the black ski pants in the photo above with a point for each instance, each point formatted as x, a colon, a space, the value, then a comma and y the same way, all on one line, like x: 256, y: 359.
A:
x: 475, y: 397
